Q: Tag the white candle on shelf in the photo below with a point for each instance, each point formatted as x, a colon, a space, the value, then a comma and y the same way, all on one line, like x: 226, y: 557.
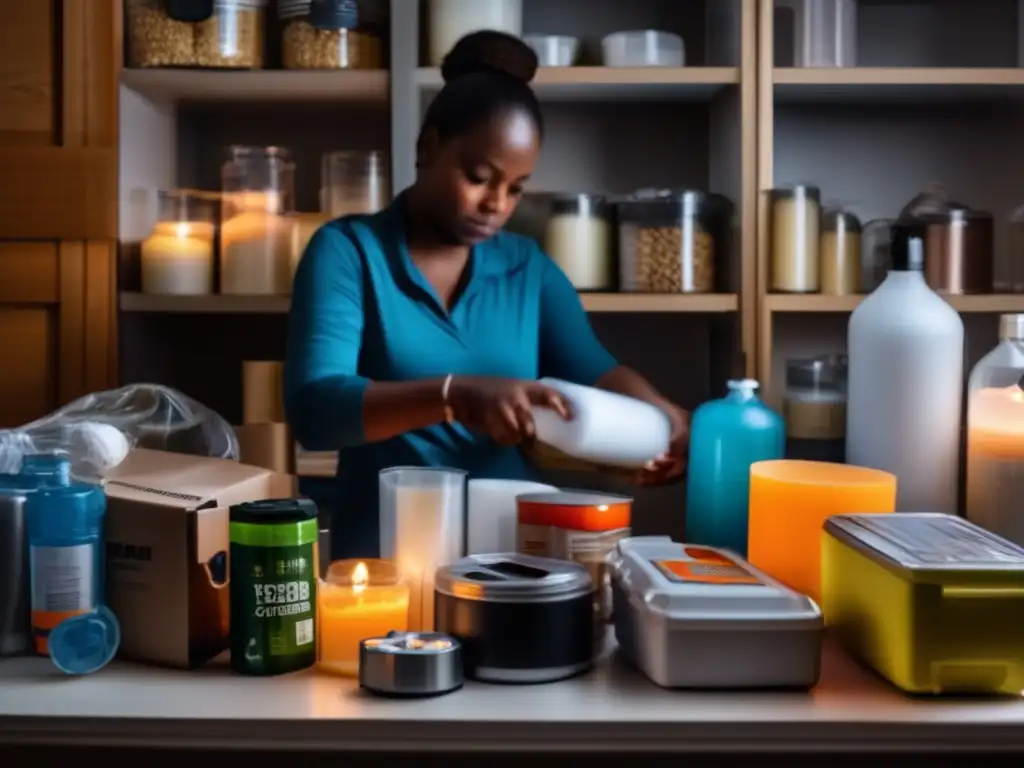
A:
x: 255, y: 245
x: 177, y: 259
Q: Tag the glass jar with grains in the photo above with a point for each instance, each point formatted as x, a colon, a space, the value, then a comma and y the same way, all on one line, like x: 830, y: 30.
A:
x: 329, y: 34
x: 670, y: 241
x: 220, y: 34
x: 840, y: 253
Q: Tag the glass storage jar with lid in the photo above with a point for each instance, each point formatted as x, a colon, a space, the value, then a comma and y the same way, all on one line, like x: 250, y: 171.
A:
x: 329, y: 34
x: 672, y: 241
x: 578, y: 236
x: 177, y: 257
x: 839, y: 252
x: 995, y: 435
x: 796, y: 226
x: 257, y: 198
x: 814, y: 409
x: 354, y: 182
x: 220, y: 34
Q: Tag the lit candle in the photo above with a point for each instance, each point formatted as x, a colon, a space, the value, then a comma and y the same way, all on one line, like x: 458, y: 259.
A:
x: 177, y: 259
x: 357, y: 600
x: 995, y: 460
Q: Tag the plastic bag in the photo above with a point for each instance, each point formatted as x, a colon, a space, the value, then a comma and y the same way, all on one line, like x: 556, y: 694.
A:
x: 97, y: 431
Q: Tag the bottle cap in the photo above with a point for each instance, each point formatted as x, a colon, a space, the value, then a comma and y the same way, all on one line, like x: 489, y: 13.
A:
x: 51, y: 469
x: 742, y: 385
x: 85, y: 643
x: 1011, y: 327
x: 907, y: 249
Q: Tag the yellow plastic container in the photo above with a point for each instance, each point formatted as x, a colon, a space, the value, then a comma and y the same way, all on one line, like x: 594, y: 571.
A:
x: 932, y: 602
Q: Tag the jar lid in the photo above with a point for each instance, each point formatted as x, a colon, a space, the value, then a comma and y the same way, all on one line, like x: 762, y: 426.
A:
x: 513, y: 578
x: 579, y: 204
x: 797, y: 191
x: 274, y: 511
x: 334, y: 14
x: 85, y: 643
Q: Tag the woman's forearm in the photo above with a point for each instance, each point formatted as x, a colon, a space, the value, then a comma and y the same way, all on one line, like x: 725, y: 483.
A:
x: 347, y: 411
x: 626, y: 381
x: 392, y: 408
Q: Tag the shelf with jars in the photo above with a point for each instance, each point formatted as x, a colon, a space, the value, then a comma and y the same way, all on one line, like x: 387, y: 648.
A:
x: 872, y: 113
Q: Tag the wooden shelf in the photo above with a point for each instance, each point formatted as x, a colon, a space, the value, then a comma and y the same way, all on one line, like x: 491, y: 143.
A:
x: 263, y: 305
x: 990, y: 304
x: 618, y: 83
x: 174, y: 85
x: 896, y: 84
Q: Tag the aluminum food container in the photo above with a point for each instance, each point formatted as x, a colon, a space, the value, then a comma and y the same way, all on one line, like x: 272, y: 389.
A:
x: 697, y: 617
x: 930, y: 601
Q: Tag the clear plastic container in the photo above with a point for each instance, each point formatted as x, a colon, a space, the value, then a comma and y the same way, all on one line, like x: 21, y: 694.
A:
x: 177, y: 257
x: 580, y: 237
x: 221, y: 34
x: 672, y: 241
x: 449, y: 20
x: 643, y: 48
x: 257, y: 186
x: 65, y: 536
x: 354, y: 183
x: 824, y: 32
x: 995, y: 435
x: 726, y: 437
x: 796, y: 227
x: 328, y: 35
x: 840, y: 253
x: 814, y: 408
x: 422, y: 527
x: 554, y: 50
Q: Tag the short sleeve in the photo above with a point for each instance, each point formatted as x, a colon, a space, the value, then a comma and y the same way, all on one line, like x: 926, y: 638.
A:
x: 569, y: 348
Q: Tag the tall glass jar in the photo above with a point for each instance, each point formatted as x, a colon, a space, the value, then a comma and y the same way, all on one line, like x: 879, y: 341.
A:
x: 329, y: 34
x: 995, y: 435
x: 875, y: 253
x: 354, y: 182
x: 814, y: 408
x: 796, y: 225
x: 232, y: 37
x: 177, y: 257
x: 449, y: 20
x: 579, y: 238
x: 840, y: 253
x: 257, y: 194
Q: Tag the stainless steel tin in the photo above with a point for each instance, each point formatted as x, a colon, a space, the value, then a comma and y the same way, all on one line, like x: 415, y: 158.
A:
x: 410, y: 664
x: 513, y: 578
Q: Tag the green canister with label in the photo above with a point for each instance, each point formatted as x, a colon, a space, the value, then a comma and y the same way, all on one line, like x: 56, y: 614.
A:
x: 273, y: 586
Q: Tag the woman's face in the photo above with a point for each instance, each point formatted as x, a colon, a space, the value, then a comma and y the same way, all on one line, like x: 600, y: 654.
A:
x: 473, y: 182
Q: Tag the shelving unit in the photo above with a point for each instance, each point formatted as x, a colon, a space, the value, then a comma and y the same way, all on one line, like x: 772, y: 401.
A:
x: 609, y: 130
x: 938, y: 99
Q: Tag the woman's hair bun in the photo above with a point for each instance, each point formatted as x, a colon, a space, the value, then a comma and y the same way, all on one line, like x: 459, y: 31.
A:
x: 490, y: 51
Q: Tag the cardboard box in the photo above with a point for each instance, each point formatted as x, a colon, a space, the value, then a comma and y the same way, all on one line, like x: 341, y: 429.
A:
x: 167, y: 551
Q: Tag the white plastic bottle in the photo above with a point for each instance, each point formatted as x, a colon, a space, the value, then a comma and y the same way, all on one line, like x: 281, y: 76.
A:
x: 905, y: 346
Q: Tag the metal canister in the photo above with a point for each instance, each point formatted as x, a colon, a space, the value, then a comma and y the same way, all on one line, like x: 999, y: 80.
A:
x: 274, y: 569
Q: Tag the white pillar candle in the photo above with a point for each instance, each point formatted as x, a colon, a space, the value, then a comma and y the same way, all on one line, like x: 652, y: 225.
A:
x: 177, y: 259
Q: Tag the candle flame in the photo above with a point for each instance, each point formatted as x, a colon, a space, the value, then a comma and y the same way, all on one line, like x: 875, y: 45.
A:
x: 182, y: 229
x: 360, y: 577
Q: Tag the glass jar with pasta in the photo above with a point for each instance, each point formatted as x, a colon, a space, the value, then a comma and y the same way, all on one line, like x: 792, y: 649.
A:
x: 672, y: 241
x: 796, y: 227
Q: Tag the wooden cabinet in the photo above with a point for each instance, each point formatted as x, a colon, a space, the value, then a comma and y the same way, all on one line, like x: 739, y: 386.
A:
x: 59, y: 63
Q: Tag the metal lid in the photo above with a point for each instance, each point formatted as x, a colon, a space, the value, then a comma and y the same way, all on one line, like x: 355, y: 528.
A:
x: 85, y: 643
x: 799, y: 191
x: 927, y: 541
x: 1011, y: 327
x: 587, y: 206
x: 513, y: 578
x: 575, y: 499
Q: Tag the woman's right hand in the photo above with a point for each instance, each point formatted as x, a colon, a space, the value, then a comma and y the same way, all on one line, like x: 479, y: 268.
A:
x: 501, y: 408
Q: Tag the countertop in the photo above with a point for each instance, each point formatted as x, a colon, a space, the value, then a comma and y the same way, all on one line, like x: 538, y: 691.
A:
x: 612, y: 708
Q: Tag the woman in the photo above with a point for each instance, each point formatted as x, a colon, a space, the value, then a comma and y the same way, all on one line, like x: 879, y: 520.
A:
x: 417, y: 334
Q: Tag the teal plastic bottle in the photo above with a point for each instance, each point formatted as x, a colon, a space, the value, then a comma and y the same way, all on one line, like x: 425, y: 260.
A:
x: 726, y: 437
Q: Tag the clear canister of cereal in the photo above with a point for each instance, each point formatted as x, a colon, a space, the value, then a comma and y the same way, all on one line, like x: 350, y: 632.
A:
x: 673, y: 241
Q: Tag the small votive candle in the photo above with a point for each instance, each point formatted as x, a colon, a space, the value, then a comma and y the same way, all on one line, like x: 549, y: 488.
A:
x: 177, y: 257
x: 358, y: 599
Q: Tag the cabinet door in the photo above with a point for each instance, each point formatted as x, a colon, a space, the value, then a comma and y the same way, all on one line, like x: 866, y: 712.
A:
x: 59, y: 64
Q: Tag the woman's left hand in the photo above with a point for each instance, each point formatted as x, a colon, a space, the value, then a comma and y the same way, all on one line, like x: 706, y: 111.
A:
x: 672, y: 464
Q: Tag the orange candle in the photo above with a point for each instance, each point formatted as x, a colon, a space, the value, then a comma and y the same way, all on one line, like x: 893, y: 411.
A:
x: 359, y: 599
x: 789, y: 503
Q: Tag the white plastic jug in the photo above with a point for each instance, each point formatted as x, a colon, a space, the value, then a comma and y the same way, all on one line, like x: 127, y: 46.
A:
x: 606, y: 428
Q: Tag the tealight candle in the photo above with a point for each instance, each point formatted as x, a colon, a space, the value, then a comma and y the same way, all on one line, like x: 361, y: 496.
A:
x: 359, y: 599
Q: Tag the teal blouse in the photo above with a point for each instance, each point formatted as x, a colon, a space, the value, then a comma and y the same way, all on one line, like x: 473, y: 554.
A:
x: 362, y: 311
